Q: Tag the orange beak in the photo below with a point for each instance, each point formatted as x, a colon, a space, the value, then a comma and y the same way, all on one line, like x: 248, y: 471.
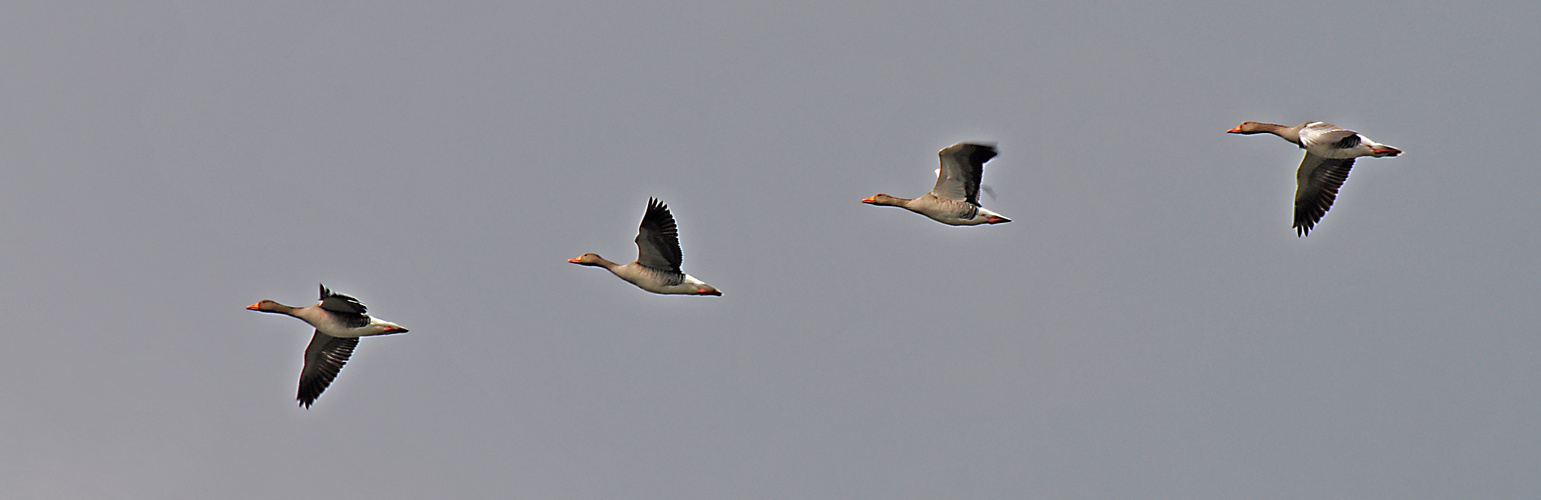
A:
x: 575, y: 260
x: 1234, y: 130
x: 253, y: 307
x: 870, y: 199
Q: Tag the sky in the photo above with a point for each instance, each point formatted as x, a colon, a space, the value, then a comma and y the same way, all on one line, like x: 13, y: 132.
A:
x: 1149, y: 326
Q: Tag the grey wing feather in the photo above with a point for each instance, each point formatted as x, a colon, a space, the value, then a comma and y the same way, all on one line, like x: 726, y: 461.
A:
x: 324, y: 358
x: 1317, y: 182
x: 658, y: 242
x: 1347, y: 141
x: 963, y: 165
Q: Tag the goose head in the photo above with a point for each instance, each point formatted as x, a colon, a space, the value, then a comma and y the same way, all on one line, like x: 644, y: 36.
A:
x: 588, y: 259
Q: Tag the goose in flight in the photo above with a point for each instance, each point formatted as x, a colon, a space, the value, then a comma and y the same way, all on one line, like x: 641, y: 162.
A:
x: 955, y: 198
x: 657, y: 268
x: 339, y: 321
x: 1330, y: 153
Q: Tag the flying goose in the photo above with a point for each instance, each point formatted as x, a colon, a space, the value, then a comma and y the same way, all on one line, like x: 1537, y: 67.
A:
x: 657, y: 268
x: 955, y: 198
x: 1330, y: 153
x: 339, y: 321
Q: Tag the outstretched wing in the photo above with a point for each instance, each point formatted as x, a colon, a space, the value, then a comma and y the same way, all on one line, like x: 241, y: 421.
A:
x: 1316, y: 187
x: 658, y: 242
x: 324, y: 358
x: 963, y: 165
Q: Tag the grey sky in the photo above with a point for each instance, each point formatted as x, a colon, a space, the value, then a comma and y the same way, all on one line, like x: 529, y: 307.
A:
x: 1148, y: 327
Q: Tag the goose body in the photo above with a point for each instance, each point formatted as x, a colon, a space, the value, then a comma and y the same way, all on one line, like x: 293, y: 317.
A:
x: 657, y: 268
x: 955, y: 198
x: 339, y: 321
x: 1330, y: 154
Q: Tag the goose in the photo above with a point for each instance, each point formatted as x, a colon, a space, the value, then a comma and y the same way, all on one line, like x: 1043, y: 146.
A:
x: 955, y: 198
x: 1330, y: 153
x: 657, y: 268
x: 339, y: 321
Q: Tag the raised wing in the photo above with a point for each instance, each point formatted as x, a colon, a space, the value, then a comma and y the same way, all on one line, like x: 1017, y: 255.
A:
x: 963, y: 164
x: 347, y: 309
x: 658, y: 242
x: 1316, y: 186
x: 324, y: 358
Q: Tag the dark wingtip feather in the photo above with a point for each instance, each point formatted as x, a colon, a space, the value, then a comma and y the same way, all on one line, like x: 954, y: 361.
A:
x: 331, y: 363
x: 985, y: 152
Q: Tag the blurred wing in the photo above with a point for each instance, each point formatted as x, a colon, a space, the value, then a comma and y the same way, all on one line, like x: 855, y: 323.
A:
x: 983, y: 188
x: 962, y: 166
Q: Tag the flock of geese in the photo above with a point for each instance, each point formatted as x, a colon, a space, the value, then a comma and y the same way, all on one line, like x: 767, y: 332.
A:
x: 340, y: 320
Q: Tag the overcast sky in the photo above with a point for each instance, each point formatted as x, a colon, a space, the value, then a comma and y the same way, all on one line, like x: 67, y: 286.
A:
x: 1149, y: 326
